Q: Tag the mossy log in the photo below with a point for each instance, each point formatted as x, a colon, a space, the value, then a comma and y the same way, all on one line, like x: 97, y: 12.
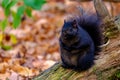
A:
x: 107, y: 65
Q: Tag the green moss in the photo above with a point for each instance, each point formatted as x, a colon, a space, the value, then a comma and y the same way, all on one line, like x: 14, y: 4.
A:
x: 115, y: 76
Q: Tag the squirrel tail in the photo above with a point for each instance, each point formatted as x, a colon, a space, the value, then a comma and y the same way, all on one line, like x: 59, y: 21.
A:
x: 92, y: 24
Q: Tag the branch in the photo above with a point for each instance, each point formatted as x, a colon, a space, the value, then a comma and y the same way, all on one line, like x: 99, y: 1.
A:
x: 101, y: 9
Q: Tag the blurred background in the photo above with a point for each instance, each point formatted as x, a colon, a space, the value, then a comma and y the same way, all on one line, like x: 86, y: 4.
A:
x: 29, y: 34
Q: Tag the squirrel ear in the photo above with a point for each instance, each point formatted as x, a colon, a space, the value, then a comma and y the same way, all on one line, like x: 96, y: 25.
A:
x: 74, y: 23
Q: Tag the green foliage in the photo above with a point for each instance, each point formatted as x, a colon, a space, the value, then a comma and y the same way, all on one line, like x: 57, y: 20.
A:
x: 3, y: 24
x: 6, y: 47
x: 7, y: 4
x: 26, y: 8
x: 35, y: 4
x: 28, y: 11
x: 20, y: 10
x: 17, y: 16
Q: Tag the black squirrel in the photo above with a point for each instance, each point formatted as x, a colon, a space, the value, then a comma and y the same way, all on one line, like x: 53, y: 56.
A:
x: 79, y: 40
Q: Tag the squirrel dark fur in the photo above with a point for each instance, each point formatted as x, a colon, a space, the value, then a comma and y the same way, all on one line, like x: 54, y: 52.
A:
x: 79, y: 41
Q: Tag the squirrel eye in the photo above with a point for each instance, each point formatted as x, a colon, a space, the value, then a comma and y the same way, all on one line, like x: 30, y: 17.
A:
x: 71, y: 29
x: 74, y: 23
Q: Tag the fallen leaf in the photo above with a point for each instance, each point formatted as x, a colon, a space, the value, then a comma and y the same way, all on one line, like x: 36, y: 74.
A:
x: 23, y: 71
x: 3, y: 67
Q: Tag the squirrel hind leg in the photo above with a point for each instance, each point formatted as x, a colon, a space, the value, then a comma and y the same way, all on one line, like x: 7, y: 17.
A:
x: 66, y: 65
x: 86, y: 62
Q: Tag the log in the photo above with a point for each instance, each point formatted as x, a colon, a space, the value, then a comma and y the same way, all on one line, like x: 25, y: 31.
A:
x: 107, y: 65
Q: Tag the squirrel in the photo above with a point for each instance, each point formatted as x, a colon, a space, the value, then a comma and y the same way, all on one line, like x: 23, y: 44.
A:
x: 79, y: 40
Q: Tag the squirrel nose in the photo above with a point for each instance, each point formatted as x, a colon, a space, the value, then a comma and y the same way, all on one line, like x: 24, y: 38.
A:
x: 69, y: 33
x: 64, y: 32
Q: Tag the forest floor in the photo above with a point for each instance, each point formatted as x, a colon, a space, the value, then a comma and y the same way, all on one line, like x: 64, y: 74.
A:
x: 36, y: 45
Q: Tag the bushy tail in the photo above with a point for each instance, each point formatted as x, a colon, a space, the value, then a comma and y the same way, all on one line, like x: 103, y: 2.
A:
x: 91, y: 23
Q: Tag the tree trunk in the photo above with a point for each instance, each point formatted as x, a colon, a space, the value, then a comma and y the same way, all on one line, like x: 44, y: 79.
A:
x: 107, y: 65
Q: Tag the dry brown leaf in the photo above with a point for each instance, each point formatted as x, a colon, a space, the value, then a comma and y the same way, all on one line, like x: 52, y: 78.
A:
x: 47, y: 64
x: 3, y: 67
x: 4, y: 76
x: 23, y: 71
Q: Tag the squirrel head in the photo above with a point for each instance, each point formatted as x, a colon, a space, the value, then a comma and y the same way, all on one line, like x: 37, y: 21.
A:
x: 69, y: 31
